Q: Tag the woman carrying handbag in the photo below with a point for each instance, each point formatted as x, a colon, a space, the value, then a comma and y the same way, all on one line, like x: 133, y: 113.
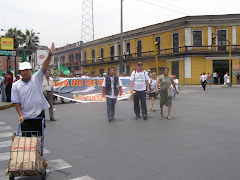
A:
x: 165, y: 80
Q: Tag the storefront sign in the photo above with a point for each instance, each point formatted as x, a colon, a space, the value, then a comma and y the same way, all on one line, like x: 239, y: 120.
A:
x: 7, y: 43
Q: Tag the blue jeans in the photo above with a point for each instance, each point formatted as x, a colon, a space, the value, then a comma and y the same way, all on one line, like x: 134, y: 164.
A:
x: 174, y: 94
x: 111, y: 102
x: 4, y: 98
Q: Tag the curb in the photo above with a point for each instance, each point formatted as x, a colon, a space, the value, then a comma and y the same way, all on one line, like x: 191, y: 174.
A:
x: 6, y: 106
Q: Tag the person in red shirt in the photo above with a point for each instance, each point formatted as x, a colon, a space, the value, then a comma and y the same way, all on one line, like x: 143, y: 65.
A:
x: 8, y: 85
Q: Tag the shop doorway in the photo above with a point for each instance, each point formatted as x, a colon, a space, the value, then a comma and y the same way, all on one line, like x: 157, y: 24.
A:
x: 220, y: 67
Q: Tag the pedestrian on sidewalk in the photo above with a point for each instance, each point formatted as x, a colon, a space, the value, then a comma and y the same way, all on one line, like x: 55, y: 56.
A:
x: 226, y: 79
x: 27, y: 94
x: 2, y: 85
x: 238, y: 75
x: 204, y: 81
x: 48, y: 93
x: 111, y: 88
x: 152, y: 85
x: 176, y: 84
x: 165, y: 80
x: 140, y: 84
x: 8, y: 85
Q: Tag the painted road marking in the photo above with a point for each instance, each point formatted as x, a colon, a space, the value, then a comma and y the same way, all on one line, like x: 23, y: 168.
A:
x: 83, y: 178
x: 5, y: 144
x: 8, y: 134
x: 57, y: 164
x: 5, y: 128
x: 1, y: 123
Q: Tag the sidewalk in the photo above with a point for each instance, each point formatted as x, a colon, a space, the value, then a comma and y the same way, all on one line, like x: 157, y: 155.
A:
x: 4, y: 105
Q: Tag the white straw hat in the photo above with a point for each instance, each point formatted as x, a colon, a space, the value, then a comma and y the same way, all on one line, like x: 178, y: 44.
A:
x: 24, y: 65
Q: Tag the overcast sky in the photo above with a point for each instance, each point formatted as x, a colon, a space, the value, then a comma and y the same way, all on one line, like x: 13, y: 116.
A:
x: 60, y: 21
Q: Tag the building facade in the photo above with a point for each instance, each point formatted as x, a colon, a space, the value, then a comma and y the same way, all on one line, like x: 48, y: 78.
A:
x: 186, y: 48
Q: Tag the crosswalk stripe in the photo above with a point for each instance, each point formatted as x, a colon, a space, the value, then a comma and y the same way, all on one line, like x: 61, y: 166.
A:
x: 8, y: 134
x: 5, y: 144
x: 1, y: 123
x: 6, y: 156
x: 83, y: 178
x: 57, y: 164
x: 5, y: 128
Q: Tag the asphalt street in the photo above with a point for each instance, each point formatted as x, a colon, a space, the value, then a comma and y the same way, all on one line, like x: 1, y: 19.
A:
x: 201, y: 142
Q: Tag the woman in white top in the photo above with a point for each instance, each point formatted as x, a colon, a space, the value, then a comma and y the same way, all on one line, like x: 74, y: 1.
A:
x: 176, y: 84
x: 152, y: 84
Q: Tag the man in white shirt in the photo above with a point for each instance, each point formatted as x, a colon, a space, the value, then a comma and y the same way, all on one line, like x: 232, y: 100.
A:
x: 112, y: 86
x: 85, y: 75
x: 226, y: 77
x: 48, y: 93
x: 27, y: 94
x: 139, y: 84
x: 204, y: 81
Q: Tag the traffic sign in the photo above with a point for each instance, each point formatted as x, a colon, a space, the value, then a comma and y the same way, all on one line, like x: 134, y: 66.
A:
x: 7, y: 53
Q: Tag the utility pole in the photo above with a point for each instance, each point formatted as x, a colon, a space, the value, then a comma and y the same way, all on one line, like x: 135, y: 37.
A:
x: 121, y: 41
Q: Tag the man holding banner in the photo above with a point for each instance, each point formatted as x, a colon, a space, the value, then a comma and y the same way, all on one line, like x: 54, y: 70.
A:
x: 112, y: 86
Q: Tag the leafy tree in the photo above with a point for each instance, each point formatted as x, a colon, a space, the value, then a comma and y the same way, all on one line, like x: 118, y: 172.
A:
x: 17, y: 35
x: 30, y: 39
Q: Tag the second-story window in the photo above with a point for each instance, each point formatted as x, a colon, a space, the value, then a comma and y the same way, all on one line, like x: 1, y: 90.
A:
x: 139, y: 48
x: 112, y: 52
x: 85, y: 56
x: 128, y: 47
x: 197, y: 38
x: 102, y: 53
x: 93, y: 54
x: 221, y: 40
x: 175, y: 42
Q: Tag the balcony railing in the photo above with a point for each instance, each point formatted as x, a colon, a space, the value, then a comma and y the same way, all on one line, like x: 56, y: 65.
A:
x: 183, y: 50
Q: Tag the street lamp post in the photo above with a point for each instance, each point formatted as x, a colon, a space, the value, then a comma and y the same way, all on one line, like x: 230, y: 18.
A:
x: 121, y: 42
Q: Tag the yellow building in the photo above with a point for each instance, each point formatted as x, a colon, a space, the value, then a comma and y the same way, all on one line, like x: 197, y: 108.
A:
x: 186, y: 48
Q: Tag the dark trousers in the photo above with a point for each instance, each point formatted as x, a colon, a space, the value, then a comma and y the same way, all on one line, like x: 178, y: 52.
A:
x: 8, y: 92
x: 111, y: 102
x: 33, y: 125
x: 140, y: 95
x: 204, y: 85
x: 49, y: 97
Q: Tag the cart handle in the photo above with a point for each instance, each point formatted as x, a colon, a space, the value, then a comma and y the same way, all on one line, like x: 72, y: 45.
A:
x: 40, y: 118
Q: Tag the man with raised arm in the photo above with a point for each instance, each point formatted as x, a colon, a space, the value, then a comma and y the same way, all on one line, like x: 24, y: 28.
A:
x: 27, y: 93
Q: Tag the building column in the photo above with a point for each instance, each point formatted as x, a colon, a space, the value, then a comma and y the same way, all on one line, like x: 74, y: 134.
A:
x: 188, y: 67
x: 209, y: 37
x: 234, y: 35
x: 115, y: 50
x: 188, y: 37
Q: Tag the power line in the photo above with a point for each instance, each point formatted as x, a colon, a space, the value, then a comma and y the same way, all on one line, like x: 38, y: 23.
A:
x: 163, y: 7
x: 175, y: 6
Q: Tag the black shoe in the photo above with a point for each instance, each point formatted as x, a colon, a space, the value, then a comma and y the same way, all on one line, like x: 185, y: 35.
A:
x: 110, y: 119
x: 145, y: 117
x: 138, y: 116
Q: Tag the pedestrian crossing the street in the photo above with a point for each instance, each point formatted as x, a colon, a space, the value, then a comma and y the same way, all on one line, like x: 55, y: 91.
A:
x: 6, y: 133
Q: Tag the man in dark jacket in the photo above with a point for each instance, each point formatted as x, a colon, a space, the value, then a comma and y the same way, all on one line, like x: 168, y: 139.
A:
x: 8, y: 85
x: 111, y: 88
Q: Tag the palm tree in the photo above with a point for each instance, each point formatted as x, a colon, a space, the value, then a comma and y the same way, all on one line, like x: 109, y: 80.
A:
x: 17, y: 35
x: 30, y: 40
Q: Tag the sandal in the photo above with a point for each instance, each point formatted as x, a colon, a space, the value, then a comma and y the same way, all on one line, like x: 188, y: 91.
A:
x: 169, y: 118
x: 153, y: 109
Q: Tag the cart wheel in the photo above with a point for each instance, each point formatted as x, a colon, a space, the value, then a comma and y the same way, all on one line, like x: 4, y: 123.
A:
x: 11, y: 177
x: 43, y: 174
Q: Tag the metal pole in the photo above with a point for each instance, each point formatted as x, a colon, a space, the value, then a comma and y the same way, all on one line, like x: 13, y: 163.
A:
x: 16, y: 65
x: 230, y: 62
x: 121, y: 43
